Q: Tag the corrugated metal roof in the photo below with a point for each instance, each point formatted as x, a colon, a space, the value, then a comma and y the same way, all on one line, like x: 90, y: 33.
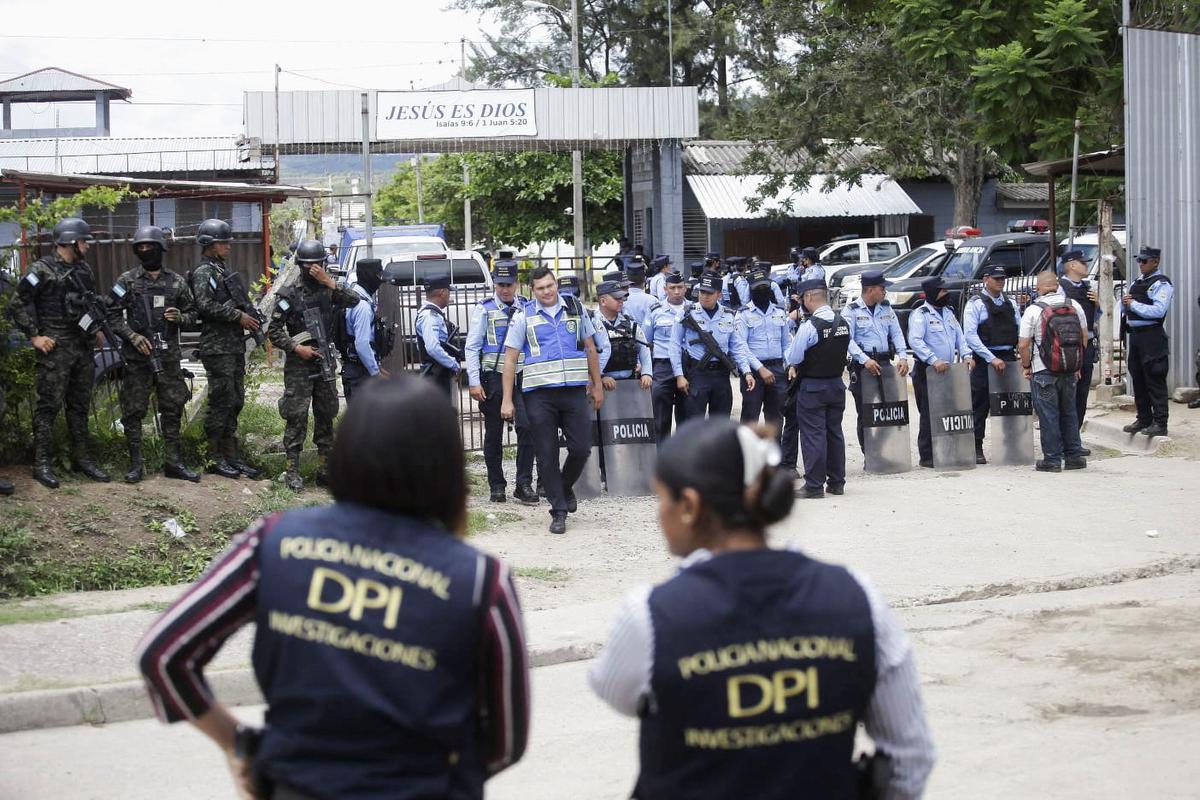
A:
x: 173, y: 188
x: 709, y: 157
x: 725, y: 196
x: 106, y: 155
x: 52, y: 80
x: 585, y: 118
x: 1024, y: 192
x: 1162, y: 190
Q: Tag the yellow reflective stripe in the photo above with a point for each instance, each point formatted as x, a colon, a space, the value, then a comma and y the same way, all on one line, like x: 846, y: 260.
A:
x: 568, y: 370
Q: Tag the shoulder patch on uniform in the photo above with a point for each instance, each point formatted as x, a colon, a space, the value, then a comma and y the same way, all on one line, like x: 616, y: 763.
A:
x: 284, y: 305
x: 32, y: 279
x: 212, y: 281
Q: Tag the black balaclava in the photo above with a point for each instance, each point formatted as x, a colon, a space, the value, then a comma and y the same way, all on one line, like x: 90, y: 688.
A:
x: 761, y: 295
x: 151, y: 259
x: 941, y: 300
x: 370, y: 277
x: 308, y: 279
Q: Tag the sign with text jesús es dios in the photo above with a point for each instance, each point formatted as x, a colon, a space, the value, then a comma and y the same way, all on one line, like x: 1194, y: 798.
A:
x: 481, y: 113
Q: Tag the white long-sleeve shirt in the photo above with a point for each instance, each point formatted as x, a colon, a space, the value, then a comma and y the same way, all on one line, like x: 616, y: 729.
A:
x: 895, y: 717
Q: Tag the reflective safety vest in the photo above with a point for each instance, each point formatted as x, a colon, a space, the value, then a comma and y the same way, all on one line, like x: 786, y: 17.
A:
x: 554, y: 351
x: 496, y: 317
x: 764, y: 663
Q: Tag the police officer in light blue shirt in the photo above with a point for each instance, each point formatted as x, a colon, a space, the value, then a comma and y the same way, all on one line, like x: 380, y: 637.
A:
x: 991, y: 323
x: 742, y: 282
x: 875, y: 337
x: 936, y: 340
x: 731, y: 289
x: 433, y: 335
x: 624, y: 349
x: 668, y: 400
x: 660, y: 267
x: 359, y: 360
x: 810, y: 265
x: 764, y: 332
x: 1145, y: 308
x: 817, y: 357
x: 638, y: 303
x: 702, y: 374
x: 568, y: 285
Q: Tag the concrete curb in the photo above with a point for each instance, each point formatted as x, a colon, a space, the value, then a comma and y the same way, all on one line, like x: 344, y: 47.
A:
x: 125, y: 701
x: 1106, y: 431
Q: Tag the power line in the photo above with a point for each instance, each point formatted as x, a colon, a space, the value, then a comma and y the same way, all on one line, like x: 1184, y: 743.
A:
x: 216, y: 40
x: 267, y: 70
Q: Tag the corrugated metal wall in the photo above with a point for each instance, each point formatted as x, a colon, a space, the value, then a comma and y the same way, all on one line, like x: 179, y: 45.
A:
x: 1162, y: 164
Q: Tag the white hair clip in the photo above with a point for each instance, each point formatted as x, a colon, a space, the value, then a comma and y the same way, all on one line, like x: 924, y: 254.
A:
x: 757, y: 454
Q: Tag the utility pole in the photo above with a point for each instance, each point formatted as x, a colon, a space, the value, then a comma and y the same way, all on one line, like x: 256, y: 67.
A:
x: 420, y: 190
x: 277, y: 70
x: 576, y: 155
x: 468, y: 239
x: 367, y: 177
x: 1074, y: 193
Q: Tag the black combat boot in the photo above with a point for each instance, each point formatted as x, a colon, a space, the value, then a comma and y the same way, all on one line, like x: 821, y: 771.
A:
x: 291, y: 478
x: 6, y: 487
x: 526, y: 495
x: 219, y: 465
x: 237, y: 462
x: 173, y: 466
x: 322, y: 478
x: 136, y: 469
x: 82, y: 462
x: 41, y: 461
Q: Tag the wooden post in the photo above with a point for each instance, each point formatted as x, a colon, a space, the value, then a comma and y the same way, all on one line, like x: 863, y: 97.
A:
x: 1107, y: 300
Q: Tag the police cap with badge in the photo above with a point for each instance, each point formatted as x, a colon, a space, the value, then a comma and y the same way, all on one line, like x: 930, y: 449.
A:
x: 568, y: 284
x: 996, y: 271
x: 613, y: 289
x: 635, y: 268
x: 760, y: 275
x: 1148, y: 254
x: 504, y: 272
x: 875, y: 277
x: 660, y: 262
x: 436, y: 282
x: 1074, y: 255
x: 673, y: 278
x: 709, y: 282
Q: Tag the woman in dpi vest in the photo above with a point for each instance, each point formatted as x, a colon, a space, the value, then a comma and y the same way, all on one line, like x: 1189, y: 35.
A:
x: 751, y: 668
x: 390, y: 653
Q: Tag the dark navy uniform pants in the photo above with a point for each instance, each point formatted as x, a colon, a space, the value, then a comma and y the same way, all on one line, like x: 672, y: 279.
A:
x: 789, y: 442
x: 493, y: 432
x: 820, y: 404
x: 766, y: 399
x: 921, y: 390
x: 353, y: 374
x: 981, y: 401
x: 856, y: 379
x: 549, y: 410
x: 667, y: 400
x: 1148, y: 354
x: 1084, y: 385
x: 709, y: 393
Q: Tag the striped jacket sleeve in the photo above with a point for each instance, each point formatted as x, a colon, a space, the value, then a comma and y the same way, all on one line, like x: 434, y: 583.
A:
x: 504, y: 672
x: 173, y: 653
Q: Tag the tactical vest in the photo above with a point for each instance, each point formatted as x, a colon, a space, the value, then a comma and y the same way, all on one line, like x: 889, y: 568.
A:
x: 622, y: 338
x: 554, y: 351
x: 56, y: 306
x: 1139, y: 290
x: 1080, y: 295
x: 764, y: 662
x: 299, y: 299
x: 144, y: 300
x: 997, y: 329
x: 367, y: 651
x: 432, y: 309
x: 827, y: 358
x: 496, y: 317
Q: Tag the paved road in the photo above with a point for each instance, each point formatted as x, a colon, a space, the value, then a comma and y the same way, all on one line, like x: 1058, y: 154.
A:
x: 1070, y: 694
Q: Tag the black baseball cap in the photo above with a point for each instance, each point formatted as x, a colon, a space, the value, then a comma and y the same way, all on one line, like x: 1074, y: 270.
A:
x: 612, y: 288
x: 709, y: 282
x: 437, y: 282
x: 995, y: 271
x: 504, y: 272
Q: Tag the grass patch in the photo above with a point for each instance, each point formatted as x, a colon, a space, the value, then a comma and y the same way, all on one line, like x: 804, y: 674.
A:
x: 547, y: 574
x: 479, y: 521
x: 11, y: 613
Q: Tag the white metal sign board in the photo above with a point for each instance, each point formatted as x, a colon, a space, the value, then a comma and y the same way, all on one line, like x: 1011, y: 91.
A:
x: 477, y: 114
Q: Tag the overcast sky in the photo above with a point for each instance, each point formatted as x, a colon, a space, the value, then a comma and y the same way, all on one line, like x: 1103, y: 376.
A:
x: 188, y: 64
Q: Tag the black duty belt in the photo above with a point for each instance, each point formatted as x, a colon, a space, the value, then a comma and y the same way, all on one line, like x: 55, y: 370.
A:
x: 662, y: 360
x: 713, y: 365
x: 1139, y: 328
x: 772, y: 362
x: 884, y: 357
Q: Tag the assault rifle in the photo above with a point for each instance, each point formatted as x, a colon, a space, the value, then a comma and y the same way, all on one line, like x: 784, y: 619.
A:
x: 240, y: 299
x: 157, y: 342
x: 94, y: 317
x: 315, y: 325
x: 711, y: 348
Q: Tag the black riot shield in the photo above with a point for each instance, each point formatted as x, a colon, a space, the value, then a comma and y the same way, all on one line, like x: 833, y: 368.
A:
x: 885, y: 421
x: 627, y: 438
x: 1012, y: 416
x: 951, y: 421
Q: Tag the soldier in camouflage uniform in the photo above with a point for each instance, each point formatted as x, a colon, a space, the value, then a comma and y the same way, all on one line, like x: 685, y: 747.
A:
x: 222, y: 348
x: 49, y: 311
x: 302, y: 378
x: 6, y: 296
x: 149, y: 304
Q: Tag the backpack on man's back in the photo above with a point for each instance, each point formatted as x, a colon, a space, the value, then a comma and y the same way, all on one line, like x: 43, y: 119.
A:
x: 1062, y: 343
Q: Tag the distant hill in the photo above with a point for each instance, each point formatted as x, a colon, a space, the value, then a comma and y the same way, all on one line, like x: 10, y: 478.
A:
x: 307, y: 168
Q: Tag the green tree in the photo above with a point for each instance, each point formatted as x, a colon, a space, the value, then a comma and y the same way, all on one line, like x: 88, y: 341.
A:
x: 917, y: 88
x: 441, y: 193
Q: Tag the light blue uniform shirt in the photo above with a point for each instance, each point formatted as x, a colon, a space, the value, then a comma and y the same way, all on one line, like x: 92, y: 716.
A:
x: 813, y: 272
x: 360, y: 323
x: 935, y: 335
x: 431, y: 327
x: 871, y: 329
x: 658, y: 286
x: 806, y: 337
x: 637, y: 304
x: 974, y: 314
x: 743, y: 287
x: 763, y: 335
x: 473, y: 347
x: 606, y: 352
x: 720, y: 324
x: 1160, y: 303
x: 659, y: 322
x: 517, y: 328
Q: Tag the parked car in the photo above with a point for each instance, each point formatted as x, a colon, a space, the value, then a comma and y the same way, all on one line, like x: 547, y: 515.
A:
x: 920, y: 262
x: 1019, y: 253
x: 843, y: 253
x: 388, y: 242
x: 402, y: 294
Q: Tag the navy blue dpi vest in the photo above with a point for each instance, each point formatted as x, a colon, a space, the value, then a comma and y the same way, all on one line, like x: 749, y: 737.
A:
x: 366, y: 651
x: 764, y: 662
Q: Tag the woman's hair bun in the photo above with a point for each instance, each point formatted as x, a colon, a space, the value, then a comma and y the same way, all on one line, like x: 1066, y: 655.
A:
x: 777, y: 496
